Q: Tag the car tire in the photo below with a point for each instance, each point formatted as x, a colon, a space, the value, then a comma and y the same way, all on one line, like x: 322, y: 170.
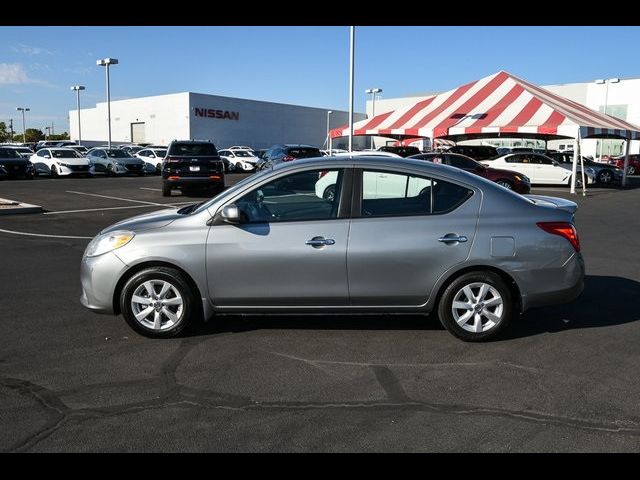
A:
x: 578, y: 182
x: 239, y: 166
x: 163, y: 320
x: 329, y: 193
x: 506, y: 184
x: 605, y: 177
x: 111, y: 170
x: 631, y: 170
x: 166, y: 191
x: 54, y: 171
x: 142, y: 174
x: 158, y: 169
x: 476, y: 322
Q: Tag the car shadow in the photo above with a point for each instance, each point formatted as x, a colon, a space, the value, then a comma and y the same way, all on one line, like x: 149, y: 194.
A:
x: 594, y: 308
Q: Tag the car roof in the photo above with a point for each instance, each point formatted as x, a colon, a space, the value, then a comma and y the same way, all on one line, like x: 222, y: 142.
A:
x: 381, y: 162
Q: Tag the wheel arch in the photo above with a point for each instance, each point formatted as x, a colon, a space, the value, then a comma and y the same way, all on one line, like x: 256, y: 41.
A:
x: 143, y: 266
x: 508, y: 279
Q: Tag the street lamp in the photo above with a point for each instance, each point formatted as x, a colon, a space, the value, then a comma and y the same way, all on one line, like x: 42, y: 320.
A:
x: 105, y: 62
x: 47, y: 129
x: 329, y: 112
x: 77, y: 88
x: 373, y: 91
x: 24, y: 130
x: 606, y: 95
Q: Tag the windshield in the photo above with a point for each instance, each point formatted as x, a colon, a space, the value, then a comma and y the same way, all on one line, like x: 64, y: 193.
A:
x: 113, y: 153
x: 233, y: 189
x: 9, y: 153
x: 242, y: 153
x: 160, y: 153
x: 65, y: 154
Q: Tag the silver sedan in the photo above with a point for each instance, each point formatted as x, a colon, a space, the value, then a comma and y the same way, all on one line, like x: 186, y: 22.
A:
x: 396, y: 235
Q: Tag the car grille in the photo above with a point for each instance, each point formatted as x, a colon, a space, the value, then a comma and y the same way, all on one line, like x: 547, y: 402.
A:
x: 134, y: 168
x: 78, y: 168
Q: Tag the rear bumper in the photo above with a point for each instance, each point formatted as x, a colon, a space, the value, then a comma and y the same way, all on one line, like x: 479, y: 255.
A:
x: 194, y: 182
x: 556, y: 286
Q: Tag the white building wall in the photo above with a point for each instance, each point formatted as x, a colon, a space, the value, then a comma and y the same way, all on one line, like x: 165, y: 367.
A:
x: 262, y: 124
x: 168, y: 117
x: 165, y: 117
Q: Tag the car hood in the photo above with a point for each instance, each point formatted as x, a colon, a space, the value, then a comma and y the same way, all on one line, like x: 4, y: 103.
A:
x: 126, y: 161
x: 555, y: 202
x: 14, y: 161
x: 72, y: 160
x: 146, y: 221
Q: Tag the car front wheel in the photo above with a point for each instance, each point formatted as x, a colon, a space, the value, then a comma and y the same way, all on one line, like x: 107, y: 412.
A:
x: 158, y: 302
x: 166, y: 191
x: 476, y: 306
x: 605, y: 176
x: 506, y: 184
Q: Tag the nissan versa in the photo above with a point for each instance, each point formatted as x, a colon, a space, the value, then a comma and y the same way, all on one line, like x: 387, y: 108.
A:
x: 397, y: 235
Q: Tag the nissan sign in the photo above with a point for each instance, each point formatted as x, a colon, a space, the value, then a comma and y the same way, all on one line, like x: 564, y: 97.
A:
x: 213, y: 113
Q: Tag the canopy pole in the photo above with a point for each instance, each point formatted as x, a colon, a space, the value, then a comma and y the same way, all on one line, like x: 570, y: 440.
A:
x: 584, y: 180
x: 574, y: 169
x: 626, y: 162
x: 352, y: 36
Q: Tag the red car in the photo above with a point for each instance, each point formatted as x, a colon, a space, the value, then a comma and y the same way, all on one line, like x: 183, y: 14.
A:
x: 634, y: 163
x: 512, y: 180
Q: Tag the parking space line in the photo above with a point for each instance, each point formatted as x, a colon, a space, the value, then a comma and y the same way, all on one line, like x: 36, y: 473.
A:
x: 114, y: 198
x: 2, y: 230
x: 152, y: 189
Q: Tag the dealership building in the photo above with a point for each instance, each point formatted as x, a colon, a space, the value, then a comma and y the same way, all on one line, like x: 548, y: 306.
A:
x: 621, y: 97
x: 226, y: 121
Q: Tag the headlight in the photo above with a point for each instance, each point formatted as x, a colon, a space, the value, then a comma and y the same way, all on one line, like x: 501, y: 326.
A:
x: 107, y: 242
x: 63, y: 164
x: 522, y: 178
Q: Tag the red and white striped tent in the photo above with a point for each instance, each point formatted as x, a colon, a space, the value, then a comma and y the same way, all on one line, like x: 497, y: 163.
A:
x: 498, y: 105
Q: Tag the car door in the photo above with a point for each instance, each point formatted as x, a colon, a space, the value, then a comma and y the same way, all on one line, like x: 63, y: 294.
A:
x: 290, y: 248
x: 41, y: 163
x: 521, y: 163
x: 552, y: 171
x: 400, y: 246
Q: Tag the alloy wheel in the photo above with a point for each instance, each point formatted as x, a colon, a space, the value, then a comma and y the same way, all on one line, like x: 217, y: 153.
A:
x: 477, y: 307
x: 157, y: 305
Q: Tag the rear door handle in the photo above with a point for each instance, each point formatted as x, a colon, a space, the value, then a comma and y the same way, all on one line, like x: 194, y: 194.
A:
x: 318, y: 242
x: 452, y: 238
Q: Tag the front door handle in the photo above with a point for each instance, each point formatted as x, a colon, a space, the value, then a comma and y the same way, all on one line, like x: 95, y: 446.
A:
x: 318, y: 242
x: 452, y: 238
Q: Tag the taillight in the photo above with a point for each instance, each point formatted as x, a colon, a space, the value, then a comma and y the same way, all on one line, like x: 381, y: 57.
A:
x: 564, y: 229
x: 172, y: 159
x: 288, y: 158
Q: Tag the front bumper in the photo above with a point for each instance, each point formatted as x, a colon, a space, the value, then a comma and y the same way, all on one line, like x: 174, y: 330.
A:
x: 99, y: 277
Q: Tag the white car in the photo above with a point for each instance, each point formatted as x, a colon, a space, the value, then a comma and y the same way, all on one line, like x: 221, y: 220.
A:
x: 152, y: 158
x: 60, y: 161
x: 24, y: 152
x: 375, y: 185
x: 540, y: 169
x: 241, y: 160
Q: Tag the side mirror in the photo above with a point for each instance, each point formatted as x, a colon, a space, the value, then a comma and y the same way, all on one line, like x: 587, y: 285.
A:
x: 231, y: 214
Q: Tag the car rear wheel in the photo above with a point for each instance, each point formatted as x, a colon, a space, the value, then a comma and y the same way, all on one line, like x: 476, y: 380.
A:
x: 506, y: 184
x: 166, y: 191
x: 329, y: 193
x: 476, y: 306
x: 158, y: 169
x: 605, y: 176
x: 578, y: 182
x: 631, y: 170
x: 158, y: 302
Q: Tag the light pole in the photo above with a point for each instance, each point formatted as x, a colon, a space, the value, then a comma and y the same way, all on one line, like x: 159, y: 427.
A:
x: 24, y: 130
x: 373, y: 91
x: 105, y: 62
x: 606, y: 97
x: 77, y: 88
x: 47, y: 129
x: 329, y: 112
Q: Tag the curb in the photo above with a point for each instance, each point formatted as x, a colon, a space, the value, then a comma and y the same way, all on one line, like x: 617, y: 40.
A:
x: 12, y: 207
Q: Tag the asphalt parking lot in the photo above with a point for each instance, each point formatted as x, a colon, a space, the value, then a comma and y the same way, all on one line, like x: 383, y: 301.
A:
x: 562, y: 379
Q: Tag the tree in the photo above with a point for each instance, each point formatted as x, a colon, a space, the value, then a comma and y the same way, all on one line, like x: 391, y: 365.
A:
x: 32, y: 134
x: 59, y: 136
x: 4, y: 134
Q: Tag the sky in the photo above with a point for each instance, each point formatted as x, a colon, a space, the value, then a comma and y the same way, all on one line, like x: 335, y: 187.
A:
x: 297, y: 65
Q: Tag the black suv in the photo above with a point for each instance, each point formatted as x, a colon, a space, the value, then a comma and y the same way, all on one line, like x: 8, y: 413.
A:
x: 286, y: 153
x: 477, y: 152
x: 12, y: 165
x: 192, y: 164
x: 403, y: 151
